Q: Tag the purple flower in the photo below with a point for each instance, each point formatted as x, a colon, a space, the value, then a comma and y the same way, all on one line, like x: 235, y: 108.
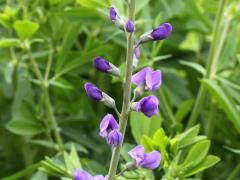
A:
x: 162, y: 32
x: 130, y: 27
x: 115, y: 137
x: 93, y: 92
x: 151, y: 80
x: 82, y: 175
x: 104, y: 66
x: 136, y: 56
x: 112, y: 13
x: 142, y: 159
x: 107, y: 124
x: 147, y: 105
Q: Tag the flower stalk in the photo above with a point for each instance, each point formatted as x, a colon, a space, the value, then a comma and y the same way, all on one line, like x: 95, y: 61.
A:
x: 215, y: 50
x: 126, y: 95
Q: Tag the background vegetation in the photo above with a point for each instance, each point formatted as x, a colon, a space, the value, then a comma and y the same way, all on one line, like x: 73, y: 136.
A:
x: 60, y: 38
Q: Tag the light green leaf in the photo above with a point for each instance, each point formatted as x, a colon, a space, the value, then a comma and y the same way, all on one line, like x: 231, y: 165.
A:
x: 25, y: 29
x: 183, y: 110
x: 209, y: 161
x: 141, y: 125
x: 197, y: 154
x: 24, y: 127
x: 195, y: 66
x: 224, y: 101
x: 9, y: 42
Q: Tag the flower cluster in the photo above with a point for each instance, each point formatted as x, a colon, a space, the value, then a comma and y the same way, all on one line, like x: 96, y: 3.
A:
x: 146, y: 79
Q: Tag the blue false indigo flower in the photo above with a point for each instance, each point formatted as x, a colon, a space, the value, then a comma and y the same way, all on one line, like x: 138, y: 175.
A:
x: 83, y: 175
x: 130, y: 27
x: 147, y: 105
x: 107, y: 124
x: 104, y: 66
x: 136, y: 56
x: 160, y: 33
x: 142, y: 159
x: 148, y: 79
x: 114, y: 137
x: 116, y: 19
x: 97, y: 95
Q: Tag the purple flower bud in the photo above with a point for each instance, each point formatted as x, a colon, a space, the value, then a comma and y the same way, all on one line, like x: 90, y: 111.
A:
x: 147, y: 105
x: 162, y: 32
x: 151, y: 80
x: 115, y: 137
x: 93, y: 92
x: 130, y: 27
x: 99, y: 96
x: 136, y: 56
x: 112, y: 13
x: 142, y: 159
x: 107, y: 124
x: 82, y: 175
x: 104, y: 66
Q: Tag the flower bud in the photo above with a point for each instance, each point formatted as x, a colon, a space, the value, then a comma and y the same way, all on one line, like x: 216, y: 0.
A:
x: 97, y: 95
x: 136, y: 56
x: 130, y: 27
x: 147, y: 105
x: 115, y: 137
x: 116, y: 19
x: 160, y: 33
x: 104, y: 66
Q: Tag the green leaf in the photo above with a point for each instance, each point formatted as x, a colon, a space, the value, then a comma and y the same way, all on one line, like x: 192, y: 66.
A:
x: 142, y: 125
x: 197, y: 154
x: 9, y: 42
x: 224, y: 101
x: 25, y: 29
x: 209, y: 161
x: 195, y: 66
x: 187, y: 137
x: 183, y: 110
x: 24, y: 127
x: 236, y: 151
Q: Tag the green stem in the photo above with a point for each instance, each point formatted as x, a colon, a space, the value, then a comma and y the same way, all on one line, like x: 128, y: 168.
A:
x: 126, y: 96
x: 52, y: 120
x: 215, y: 50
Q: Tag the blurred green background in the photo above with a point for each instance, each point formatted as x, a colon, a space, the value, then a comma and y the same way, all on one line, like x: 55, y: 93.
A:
x: 72, y: 33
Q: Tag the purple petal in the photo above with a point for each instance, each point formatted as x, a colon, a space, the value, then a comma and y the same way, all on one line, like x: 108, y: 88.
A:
x: 162, y: 32
x: 137, y: 52
x: 149, y: 105
x: 153, y: 80
x: 93, y: 92
x: 130, y: 27
x: 82, y: 175
x: 152, y: 160
x: 115, y: 137
x: 107, y: 124
x: 101, y: 64
x: 138, y: 154
x: 112, y: 13
x: 140, y: 76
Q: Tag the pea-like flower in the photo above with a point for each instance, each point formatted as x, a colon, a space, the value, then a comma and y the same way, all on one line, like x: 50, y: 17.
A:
x: 147, y: 105
x: 136, y: 56
x: 149, y: 79
x: 97, y: 95
x: 115, y: 18
x: 83, y: 175
x: 104, y: 66
x: 107, y: 124
x: 146, y: 160
x: 160, y: 33
x: 114, y: 137
x: 130, y: 27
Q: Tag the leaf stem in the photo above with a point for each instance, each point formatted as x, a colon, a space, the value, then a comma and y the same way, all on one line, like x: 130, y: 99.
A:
x: 215, y: 50
x: 126, y: 95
